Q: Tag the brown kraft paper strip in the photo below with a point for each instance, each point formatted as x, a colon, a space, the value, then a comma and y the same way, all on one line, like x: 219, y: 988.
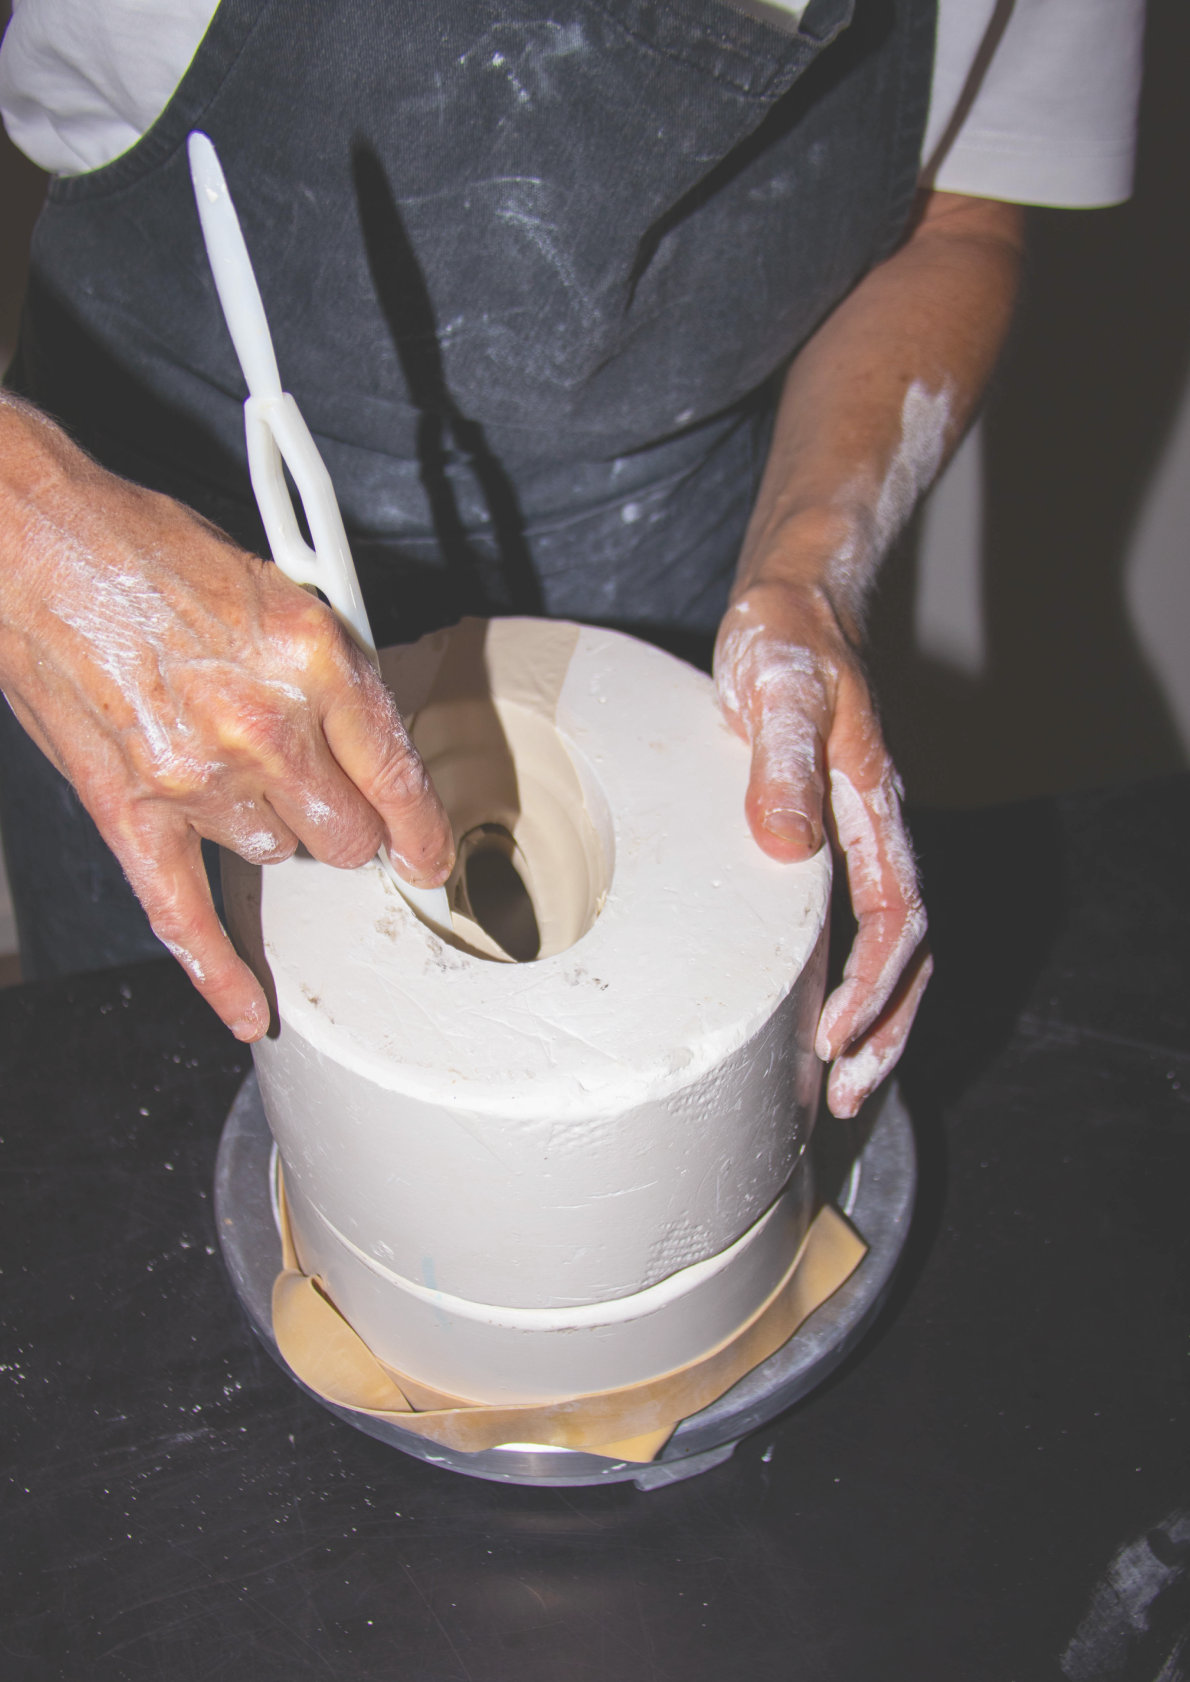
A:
x: 632, y: 1423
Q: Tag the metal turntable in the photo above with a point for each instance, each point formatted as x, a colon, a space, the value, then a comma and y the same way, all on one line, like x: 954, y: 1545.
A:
x: 867, y: 1167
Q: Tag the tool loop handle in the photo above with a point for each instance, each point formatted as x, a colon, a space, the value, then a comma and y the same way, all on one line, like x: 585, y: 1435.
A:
x: 277, y: 438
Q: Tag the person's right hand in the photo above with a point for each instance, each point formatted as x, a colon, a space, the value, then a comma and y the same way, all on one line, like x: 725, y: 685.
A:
x: 187, y: 690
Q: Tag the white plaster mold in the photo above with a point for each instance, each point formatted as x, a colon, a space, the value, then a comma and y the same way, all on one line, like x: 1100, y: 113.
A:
x: 523, y: 1181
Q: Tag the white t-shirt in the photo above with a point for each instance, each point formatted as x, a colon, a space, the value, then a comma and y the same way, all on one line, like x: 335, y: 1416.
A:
x: 1033, y: 101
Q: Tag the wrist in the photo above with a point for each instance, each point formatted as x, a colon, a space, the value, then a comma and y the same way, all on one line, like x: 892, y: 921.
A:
x: 798, y: 612
x: 25, y: 432
x: 34, y: 461
x: 29, y: 466
x: 816, y: 565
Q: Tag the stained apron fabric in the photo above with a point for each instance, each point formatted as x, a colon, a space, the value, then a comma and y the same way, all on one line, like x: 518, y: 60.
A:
x: 533, y: 274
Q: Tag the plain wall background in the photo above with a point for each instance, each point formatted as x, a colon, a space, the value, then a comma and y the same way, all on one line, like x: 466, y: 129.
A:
x: 1031, y: 631
x: 1031, y: 636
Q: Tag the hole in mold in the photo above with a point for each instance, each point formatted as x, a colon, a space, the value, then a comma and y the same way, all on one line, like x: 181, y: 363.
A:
x: 533, y: 831
x: 491, y: 890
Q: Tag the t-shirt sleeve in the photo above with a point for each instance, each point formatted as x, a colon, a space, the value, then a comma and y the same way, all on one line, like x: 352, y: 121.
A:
x: 1035, y: 101
x: 82, y: 80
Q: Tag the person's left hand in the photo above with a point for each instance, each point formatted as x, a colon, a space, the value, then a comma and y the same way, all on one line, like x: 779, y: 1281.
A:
x: 793, y: 687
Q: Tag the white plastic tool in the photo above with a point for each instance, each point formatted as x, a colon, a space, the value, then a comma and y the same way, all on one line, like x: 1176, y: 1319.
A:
x: 277, y: 438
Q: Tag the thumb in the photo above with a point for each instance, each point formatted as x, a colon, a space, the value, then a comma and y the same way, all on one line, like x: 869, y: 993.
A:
x: 775, y: 694
x: 787, y: 779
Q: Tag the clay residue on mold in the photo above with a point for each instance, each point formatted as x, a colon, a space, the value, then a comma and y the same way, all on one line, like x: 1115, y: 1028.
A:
x: 481, y: 702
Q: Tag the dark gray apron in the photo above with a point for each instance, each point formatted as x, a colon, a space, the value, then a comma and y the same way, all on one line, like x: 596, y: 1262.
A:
x: 532, y: 272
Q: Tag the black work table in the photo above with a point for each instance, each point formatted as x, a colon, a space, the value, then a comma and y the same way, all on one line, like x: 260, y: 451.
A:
x: 947, y: 1509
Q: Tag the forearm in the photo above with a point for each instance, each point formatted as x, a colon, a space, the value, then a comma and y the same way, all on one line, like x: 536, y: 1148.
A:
x: 877, y: 400
x: 871, y: 408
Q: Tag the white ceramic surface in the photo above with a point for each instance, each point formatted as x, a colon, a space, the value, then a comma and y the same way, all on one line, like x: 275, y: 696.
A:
x: 548, y: 1136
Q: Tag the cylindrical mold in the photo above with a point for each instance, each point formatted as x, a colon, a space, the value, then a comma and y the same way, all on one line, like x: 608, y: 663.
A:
x: 522, y: 1181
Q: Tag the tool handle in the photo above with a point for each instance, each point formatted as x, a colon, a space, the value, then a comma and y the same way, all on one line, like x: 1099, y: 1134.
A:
x: 231, y: 266
x: 277, y: 438
x: 277, y: 435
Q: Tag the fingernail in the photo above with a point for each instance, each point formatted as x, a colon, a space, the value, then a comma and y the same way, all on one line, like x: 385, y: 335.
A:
x: 251, y: 1027
x: 790, y: 825
x: 434, y: 877
x: 831, y: 1051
